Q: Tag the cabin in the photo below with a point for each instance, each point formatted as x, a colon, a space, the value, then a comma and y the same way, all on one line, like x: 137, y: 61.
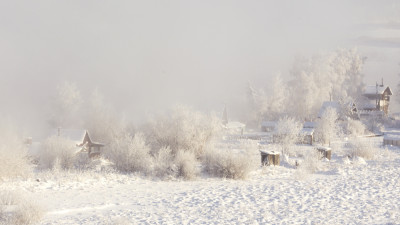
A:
x: 82, y: 140
x: 377, y: 100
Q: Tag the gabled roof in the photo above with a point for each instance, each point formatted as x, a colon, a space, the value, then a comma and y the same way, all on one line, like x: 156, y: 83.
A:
x: 374, y: 89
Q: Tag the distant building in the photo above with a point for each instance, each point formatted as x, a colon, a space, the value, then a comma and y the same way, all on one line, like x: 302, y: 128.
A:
x: 377, y: 100
x: 268, y: 126
x: 82, y: 140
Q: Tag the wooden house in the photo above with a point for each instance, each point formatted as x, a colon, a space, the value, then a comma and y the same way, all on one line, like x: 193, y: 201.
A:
x: 82, y: 140
x: 378, y: 99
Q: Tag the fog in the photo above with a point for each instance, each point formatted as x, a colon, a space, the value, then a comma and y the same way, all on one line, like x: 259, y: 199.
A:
x: 145, y: 56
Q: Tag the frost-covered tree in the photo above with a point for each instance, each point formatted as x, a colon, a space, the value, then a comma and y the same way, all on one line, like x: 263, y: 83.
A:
x: 130, y: 154
x: 13, y: 155
x: 327, y: 127
x: 257, y: 105
x: 337, y: 75
x: 66, y: 106
x: 287, y: 133
x: 182, y: 129
x: 278, y: 100
x: 102, y: 122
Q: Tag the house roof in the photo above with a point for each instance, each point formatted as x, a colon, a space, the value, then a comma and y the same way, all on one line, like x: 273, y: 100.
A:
x: 374, y: 89
x: 307, y: 131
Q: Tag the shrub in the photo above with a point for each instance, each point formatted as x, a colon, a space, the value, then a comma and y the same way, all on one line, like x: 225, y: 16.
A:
x: 57, y: 152
x: 309, y: 165
x: 355, y: 128
x: 227, y: 164
x: 182, y: 129
x: 186, y: 164
x: 363, y: 149
x: 130, y: 154
x: 13, y: 155
x: 19, y: 210
x: 162, y: 165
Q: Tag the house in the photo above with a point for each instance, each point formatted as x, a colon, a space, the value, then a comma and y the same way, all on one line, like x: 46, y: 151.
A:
x: 268, y: 126
x: 377, y: 99
x: 81, y: 139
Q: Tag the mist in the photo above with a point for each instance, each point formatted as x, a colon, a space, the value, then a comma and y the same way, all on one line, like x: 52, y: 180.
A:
x: 145, y: 56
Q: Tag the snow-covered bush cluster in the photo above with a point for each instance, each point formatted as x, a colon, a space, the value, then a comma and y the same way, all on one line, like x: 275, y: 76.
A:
x: 363, y: 149
x: 15, y: 208
x: 130, y: 154
x: 355, y: 128
x: 227, y: 164
x: 13, y: 157
x: 57, y: 153
x: 287, y: 133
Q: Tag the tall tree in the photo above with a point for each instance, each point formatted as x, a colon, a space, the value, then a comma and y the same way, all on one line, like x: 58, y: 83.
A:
x: 66, y: 106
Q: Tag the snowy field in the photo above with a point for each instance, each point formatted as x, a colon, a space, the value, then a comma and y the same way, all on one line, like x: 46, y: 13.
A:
x: 343, y: 192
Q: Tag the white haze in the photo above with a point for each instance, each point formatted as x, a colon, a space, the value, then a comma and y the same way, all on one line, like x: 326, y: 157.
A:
x: 145, y: 56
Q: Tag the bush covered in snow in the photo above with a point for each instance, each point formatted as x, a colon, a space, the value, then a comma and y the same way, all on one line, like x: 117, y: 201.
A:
x: 364, y: 149
x: 19, y: 210
x: 309, y: 165
x: 13, y: 154
x: 355, y: 128
x: 130, y: 154
x: 182, y: 164
x: 227, y: 164
x: 182, y: 129
x: 57, y: 152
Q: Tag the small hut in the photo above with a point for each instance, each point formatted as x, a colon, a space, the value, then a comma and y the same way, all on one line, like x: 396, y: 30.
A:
x: 269, y: 158
x: 391, y: 139
x: 325, y: 152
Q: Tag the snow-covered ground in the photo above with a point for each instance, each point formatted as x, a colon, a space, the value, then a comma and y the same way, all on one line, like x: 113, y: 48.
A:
x: 344, y: 192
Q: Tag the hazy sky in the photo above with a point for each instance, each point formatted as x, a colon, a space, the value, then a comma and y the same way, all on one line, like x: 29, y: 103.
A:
x: 146, y: 55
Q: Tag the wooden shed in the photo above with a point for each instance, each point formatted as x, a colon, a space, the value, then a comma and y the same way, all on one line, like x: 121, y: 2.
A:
x: 391, y: 139
x: 326, y: 152
x: 269, y: 158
